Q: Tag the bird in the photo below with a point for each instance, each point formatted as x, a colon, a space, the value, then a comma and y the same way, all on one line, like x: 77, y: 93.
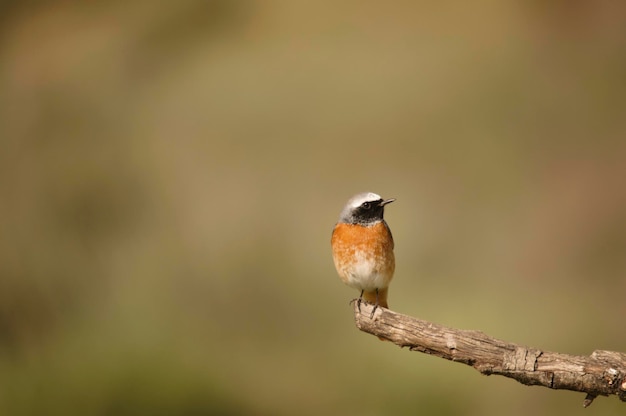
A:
x: 362, y: 248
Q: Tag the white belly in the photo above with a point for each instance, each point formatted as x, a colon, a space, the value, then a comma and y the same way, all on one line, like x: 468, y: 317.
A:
x: 364, y: 275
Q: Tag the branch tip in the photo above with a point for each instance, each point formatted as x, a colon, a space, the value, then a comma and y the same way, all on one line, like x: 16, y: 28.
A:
x: 588, y: 400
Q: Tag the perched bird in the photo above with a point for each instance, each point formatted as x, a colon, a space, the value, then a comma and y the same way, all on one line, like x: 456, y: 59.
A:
x: 363, y: 248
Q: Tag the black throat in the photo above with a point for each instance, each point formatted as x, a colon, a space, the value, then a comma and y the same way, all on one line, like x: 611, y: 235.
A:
x: 367, y: 217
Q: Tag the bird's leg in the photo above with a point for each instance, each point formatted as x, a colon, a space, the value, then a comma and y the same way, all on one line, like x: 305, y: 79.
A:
x: 358, y: 302
x: 375, y: 305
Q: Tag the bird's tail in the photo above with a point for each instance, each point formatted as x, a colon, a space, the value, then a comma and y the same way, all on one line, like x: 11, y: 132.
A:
x: 379, y: 299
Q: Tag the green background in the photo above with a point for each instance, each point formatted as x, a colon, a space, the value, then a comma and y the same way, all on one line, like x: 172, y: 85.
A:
x: 170, y: 174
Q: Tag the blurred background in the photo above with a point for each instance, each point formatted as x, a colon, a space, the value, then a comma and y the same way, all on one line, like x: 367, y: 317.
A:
x: 170, y: 175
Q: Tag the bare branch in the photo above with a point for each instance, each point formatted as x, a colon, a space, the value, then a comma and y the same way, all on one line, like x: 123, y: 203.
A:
x: 603, y: 373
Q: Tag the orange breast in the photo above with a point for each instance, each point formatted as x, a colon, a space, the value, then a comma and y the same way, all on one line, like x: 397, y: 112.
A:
x: 363, y: 255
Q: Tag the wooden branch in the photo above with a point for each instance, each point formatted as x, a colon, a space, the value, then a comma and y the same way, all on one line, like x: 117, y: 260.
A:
x: 603, y: 373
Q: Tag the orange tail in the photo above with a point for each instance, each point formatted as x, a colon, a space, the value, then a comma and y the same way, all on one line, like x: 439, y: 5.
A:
x: 382, y: 300
x: 370, y: 297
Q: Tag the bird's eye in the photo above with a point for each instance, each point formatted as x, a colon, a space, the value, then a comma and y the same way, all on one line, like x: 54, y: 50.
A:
x: 366, y: 205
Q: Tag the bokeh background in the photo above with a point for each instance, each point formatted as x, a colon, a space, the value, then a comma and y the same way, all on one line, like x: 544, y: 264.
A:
x: 170, y: 174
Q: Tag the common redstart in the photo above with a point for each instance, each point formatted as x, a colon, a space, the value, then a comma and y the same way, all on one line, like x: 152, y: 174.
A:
x: 363, y: 248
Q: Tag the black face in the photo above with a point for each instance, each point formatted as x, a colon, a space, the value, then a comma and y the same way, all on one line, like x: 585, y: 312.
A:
x: 368, y: 212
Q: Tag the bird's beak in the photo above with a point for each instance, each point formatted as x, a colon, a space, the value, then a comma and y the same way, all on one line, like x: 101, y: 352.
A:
x: 387, y: 201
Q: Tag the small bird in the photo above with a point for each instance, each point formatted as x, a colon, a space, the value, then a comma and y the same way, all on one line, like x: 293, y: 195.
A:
x: 362, y: 247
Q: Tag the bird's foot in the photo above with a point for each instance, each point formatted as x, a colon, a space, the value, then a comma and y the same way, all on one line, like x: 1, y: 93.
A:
x: 373, y: 310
